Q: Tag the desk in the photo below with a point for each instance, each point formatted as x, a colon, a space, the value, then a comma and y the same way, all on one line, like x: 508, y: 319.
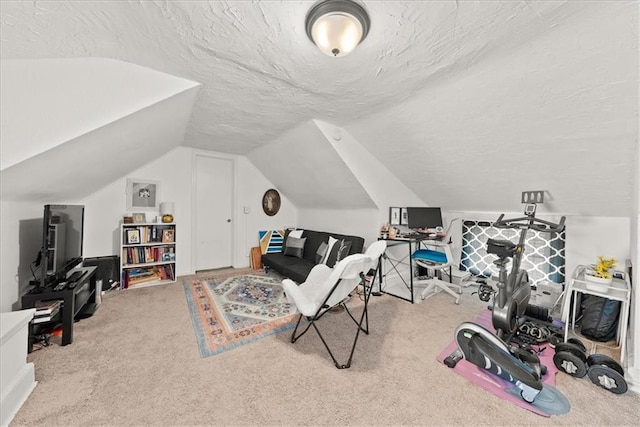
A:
x: 73, y: 300
x: 618, y: 290
x: 390, y: 265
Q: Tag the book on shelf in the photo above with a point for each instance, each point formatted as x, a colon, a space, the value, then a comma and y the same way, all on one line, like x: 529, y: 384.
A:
x: 148, y: 234
x: 45, y: 318
x: 46, y: 310
x: 47, y: 307
x: 143, y: 255
x: 139, y: 275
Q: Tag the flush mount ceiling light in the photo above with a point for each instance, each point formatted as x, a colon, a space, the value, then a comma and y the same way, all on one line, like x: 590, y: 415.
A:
x: 337, y: 26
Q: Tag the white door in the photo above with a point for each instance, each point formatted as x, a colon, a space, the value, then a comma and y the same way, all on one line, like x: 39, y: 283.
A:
x: 213, y: 233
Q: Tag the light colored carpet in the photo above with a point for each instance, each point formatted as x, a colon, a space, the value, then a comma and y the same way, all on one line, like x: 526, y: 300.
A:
x: 136, y: 362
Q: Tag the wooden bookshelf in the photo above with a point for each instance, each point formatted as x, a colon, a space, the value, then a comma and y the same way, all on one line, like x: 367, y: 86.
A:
x: 148, y: 254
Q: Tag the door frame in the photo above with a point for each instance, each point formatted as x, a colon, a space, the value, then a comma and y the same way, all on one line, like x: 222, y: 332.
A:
x: 234, y: 191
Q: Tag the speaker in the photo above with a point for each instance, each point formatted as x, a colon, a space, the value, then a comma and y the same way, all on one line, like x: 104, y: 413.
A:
x: 108, y: 269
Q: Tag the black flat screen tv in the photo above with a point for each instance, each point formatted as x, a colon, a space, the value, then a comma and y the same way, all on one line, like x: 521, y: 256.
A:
x: 62, y: 234
x: 424, y: 218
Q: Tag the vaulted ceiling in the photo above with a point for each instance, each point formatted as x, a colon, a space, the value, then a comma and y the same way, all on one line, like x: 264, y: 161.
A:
x: 468, y: 103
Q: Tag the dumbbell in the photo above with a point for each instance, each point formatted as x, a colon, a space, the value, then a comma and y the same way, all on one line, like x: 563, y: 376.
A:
x: 570, y: 358
x: 607, y: 373
x: 577, y: 342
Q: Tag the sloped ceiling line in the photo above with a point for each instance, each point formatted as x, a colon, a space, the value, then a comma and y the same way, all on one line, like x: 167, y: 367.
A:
x: 51, y: 158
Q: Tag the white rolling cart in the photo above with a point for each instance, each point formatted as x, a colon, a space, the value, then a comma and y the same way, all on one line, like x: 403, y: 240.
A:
x: 572, y: 356
x: 619, y: 290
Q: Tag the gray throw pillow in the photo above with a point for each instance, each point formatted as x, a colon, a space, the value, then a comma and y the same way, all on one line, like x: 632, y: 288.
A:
x: 321, y: 252
x: 294, y: 246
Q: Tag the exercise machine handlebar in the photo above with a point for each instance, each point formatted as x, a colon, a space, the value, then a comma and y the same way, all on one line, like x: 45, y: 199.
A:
x: 530, y: 222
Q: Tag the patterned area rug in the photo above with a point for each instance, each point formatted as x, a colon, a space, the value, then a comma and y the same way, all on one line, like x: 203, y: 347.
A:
x: 235, y: 308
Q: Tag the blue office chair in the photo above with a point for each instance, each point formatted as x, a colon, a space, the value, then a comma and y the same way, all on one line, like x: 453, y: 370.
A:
x: 436, y: 258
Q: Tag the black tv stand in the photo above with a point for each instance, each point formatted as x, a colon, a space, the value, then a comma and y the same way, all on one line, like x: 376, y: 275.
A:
x: 73, y: 302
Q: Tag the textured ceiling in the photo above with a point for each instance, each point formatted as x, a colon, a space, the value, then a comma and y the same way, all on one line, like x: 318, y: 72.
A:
x: 260, y: 73
x: 475, y: 96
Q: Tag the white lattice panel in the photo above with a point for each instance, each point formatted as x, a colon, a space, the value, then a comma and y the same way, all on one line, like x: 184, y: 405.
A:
x: 543, y: 259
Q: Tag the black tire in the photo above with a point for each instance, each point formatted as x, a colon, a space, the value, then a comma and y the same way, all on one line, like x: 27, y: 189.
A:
x: 570, y: 364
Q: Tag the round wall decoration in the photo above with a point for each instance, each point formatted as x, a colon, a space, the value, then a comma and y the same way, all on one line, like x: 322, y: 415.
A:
x: 271, y: 202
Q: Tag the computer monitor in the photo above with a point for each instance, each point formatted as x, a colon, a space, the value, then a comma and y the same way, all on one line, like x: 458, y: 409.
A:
x: 424, y: 217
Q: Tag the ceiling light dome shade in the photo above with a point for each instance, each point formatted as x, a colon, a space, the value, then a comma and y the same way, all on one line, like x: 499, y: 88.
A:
x: 337, y: 26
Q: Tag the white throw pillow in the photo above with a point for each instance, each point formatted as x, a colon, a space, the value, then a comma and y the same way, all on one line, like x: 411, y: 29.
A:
x: 296, y: 233
x: 332, y: 241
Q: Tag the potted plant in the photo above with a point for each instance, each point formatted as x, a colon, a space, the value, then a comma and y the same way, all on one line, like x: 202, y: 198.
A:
x: 599, y: 276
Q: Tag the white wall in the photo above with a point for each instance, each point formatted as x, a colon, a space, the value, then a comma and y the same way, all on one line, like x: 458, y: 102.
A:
x: 382, y: 186
x: 634, y: 330
x: 104, y: 210
x: 355, y: 222
x: 304, y: 165
x: 20, y: 240
x: 251, y: 186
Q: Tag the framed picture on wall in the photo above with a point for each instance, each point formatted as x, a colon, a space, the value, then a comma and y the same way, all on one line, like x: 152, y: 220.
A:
x: 394, y: 216
x: 404, y: 216
x: 271, y: 202
x: 142, y: 194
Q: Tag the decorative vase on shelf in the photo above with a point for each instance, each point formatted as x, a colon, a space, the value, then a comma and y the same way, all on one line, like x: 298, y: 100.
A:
x: 166, y: 211
x: 598, y: 277
x: 594, y: 283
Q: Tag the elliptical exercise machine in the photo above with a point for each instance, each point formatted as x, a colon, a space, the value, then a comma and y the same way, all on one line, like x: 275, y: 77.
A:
x: 514, y: 290
x: 490, y: 351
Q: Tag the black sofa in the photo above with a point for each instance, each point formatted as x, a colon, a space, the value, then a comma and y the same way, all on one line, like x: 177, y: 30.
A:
x: 297, y: 269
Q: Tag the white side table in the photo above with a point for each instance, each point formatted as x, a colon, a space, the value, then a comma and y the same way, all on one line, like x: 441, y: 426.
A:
x: 618, y: 290
x: 17, y: 378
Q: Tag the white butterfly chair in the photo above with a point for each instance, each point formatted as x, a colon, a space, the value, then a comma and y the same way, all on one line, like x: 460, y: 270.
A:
x: 437, y: 258
x: 326, y: 288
